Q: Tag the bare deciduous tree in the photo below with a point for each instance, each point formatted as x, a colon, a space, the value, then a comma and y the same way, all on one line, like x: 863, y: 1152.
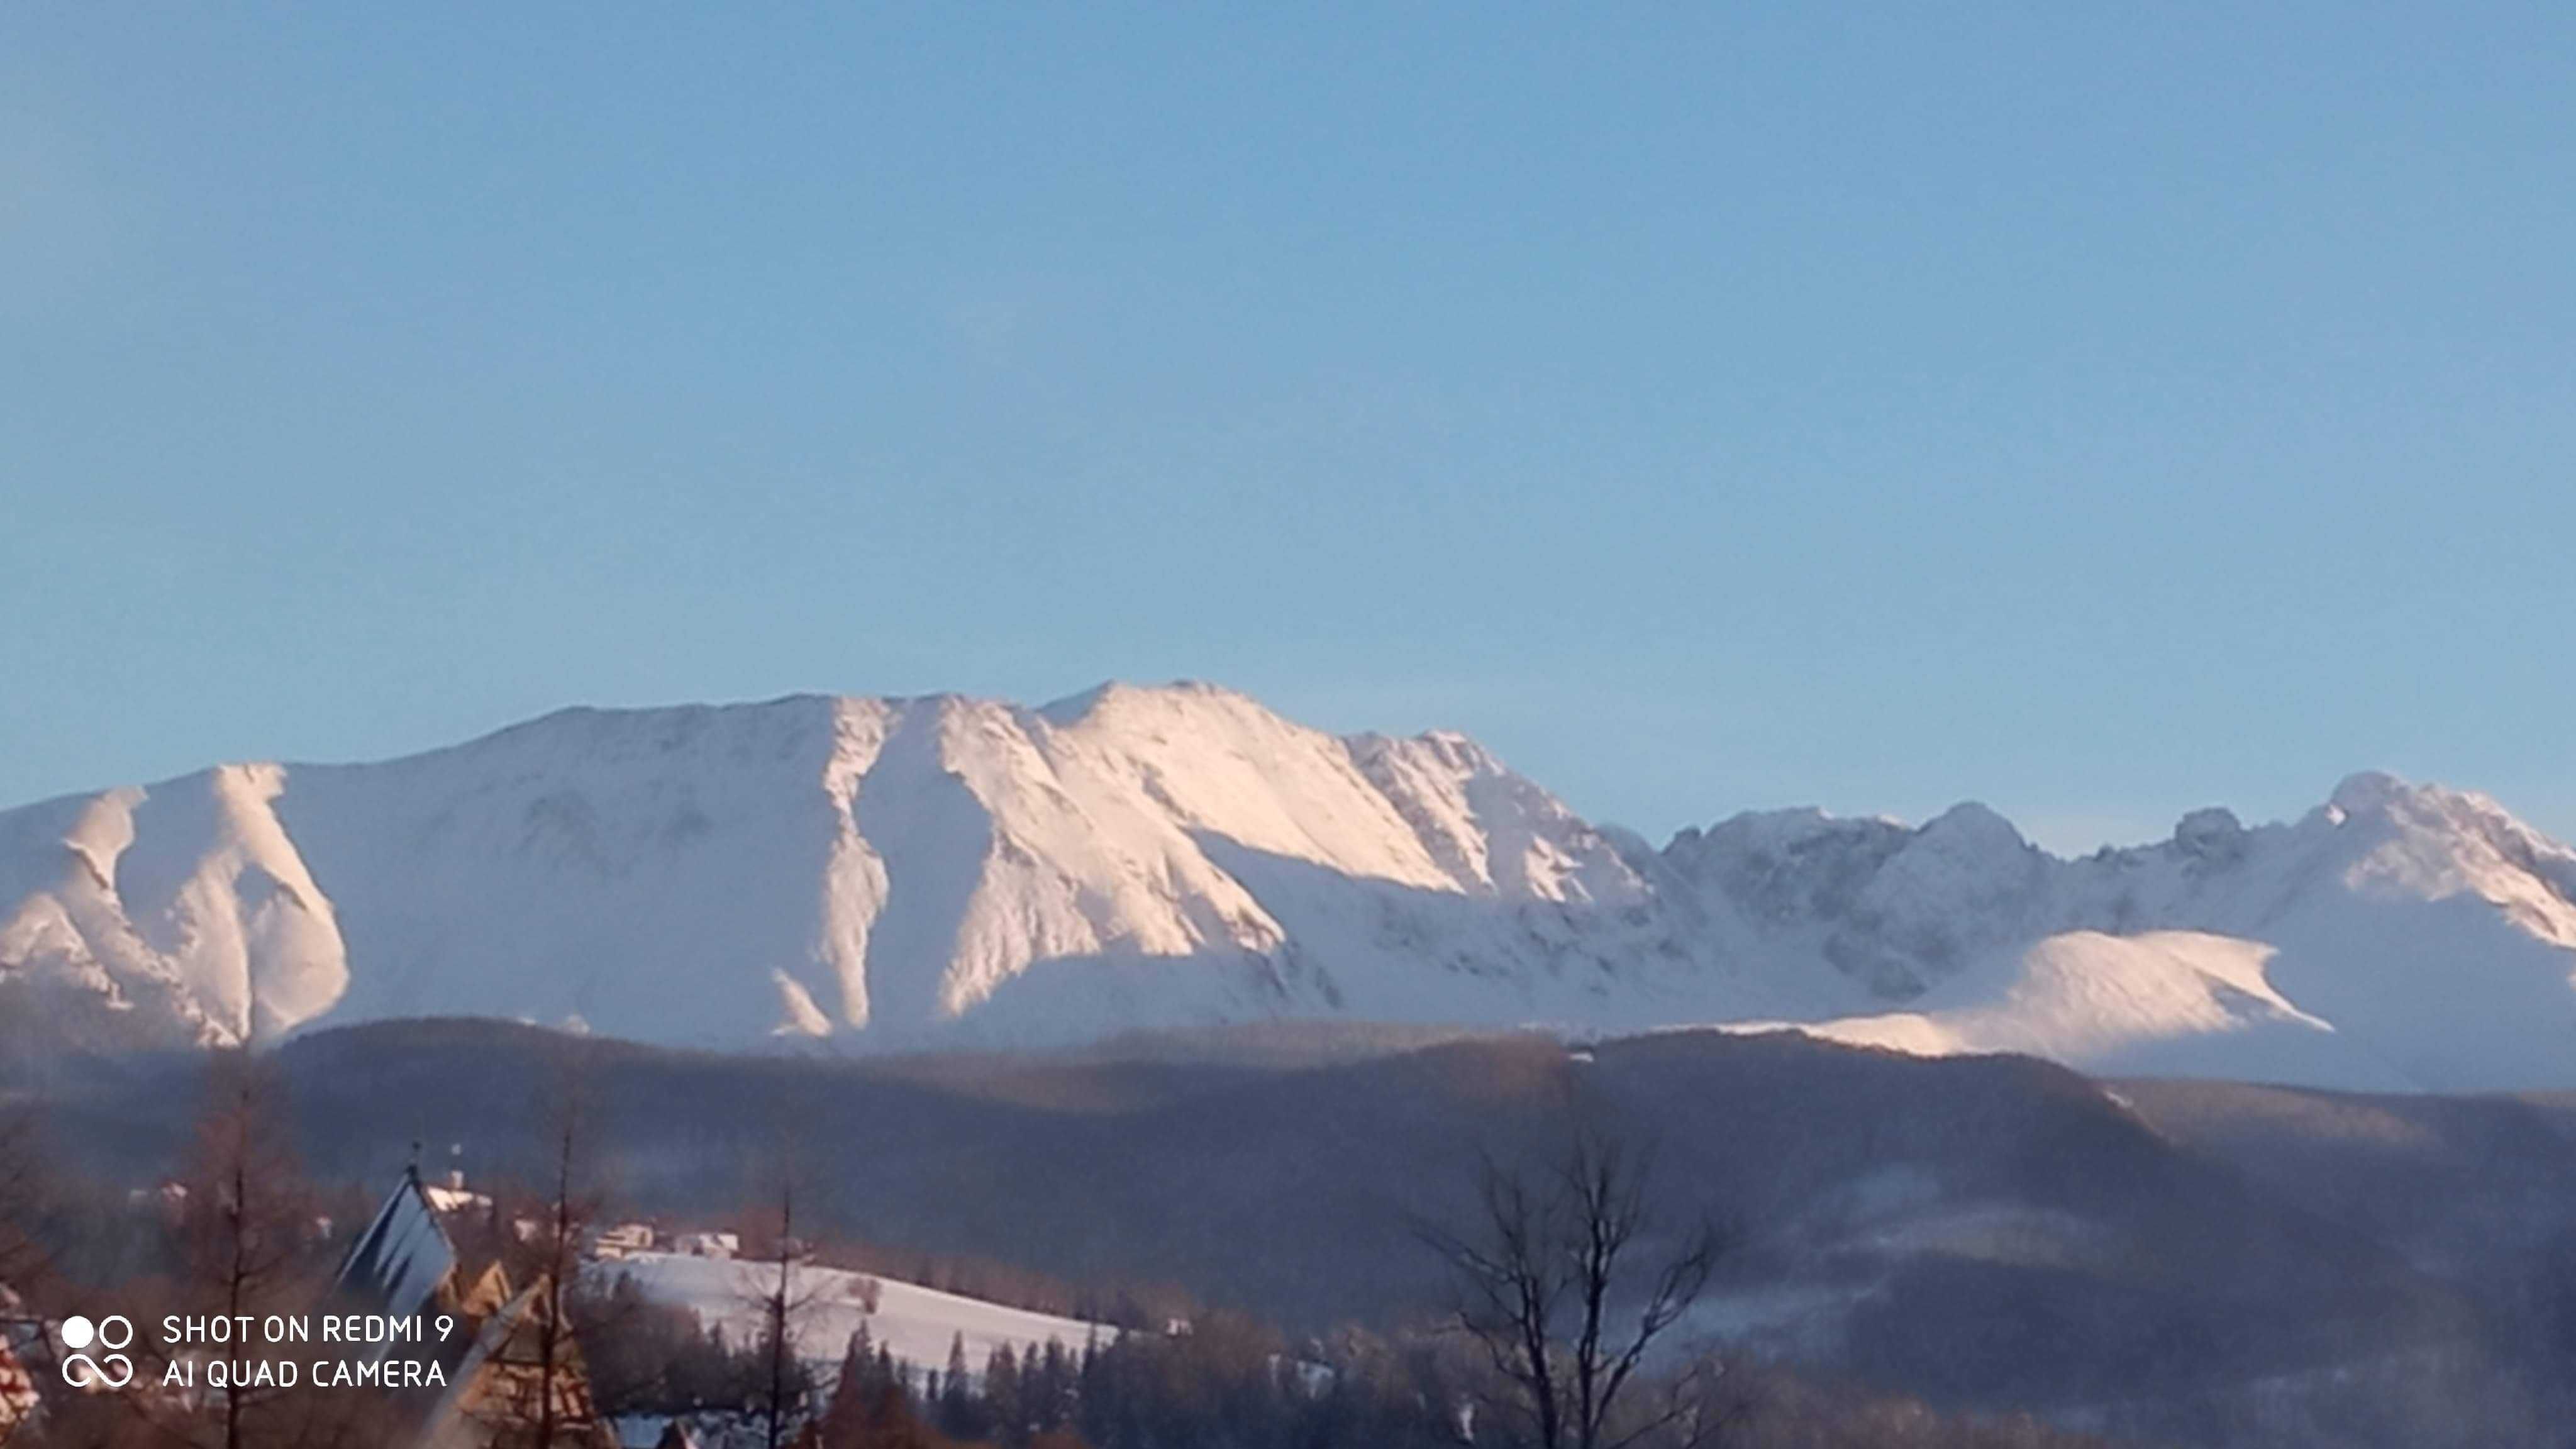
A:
x: 247, y: 1216
x: 1558, y: 1282
x: 788, y: 1300
x: 571, y: 1206
x: 780, y: 1303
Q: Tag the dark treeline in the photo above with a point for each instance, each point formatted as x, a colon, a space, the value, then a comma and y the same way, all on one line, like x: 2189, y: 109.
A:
x: 1227, y: 1383
x: 1232, y: 1385
x: 658, y: 1359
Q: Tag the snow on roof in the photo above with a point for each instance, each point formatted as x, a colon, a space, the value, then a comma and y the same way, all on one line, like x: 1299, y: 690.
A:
x: 454, y: 1199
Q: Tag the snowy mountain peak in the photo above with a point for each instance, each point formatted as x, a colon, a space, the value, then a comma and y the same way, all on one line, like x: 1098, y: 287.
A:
x: 2212, y: 834
x: 2367, y: 792
x: 2424, y: 931
x: 889, y: 871
x: 1971, y: 827
x: 824, y: 866
x: 2429, y: 842
x: 1114, y: 698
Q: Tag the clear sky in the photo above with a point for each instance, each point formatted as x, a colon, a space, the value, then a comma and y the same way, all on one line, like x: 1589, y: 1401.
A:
x: 2094, y: 410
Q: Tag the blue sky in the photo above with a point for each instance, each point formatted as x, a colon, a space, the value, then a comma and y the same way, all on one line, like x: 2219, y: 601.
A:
x: 2098, y: 411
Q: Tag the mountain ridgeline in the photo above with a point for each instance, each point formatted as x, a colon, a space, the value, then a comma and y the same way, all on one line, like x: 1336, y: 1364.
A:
x: 897, y: 873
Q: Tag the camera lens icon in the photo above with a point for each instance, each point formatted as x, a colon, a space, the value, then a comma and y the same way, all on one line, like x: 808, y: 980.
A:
x: 111, y: 1369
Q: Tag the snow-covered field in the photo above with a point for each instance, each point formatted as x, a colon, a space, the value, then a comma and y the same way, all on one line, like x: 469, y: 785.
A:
x: 918, y: 1324
x: 955, y: 872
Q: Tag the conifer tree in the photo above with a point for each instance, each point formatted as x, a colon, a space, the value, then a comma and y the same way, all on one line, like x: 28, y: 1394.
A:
x: 959, y: 1414
x: 1002, y: 1407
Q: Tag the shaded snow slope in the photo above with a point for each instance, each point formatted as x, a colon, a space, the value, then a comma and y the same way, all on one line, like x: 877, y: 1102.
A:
x: 892, y: 872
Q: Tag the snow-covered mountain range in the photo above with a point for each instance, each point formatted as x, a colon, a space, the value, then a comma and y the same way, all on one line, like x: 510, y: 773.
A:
x: 884, y: 872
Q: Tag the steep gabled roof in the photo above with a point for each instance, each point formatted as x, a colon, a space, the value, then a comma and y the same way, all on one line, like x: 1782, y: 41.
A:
x: 402, y: 1257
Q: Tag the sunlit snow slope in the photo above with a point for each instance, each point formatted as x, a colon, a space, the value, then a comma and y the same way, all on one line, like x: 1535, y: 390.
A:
x: 819, y: 866
x: 917, y: 1325
x: 894, y: 872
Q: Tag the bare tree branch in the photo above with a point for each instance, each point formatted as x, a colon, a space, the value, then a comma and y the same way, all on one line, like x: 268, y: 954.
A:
x: 1549, y: 1279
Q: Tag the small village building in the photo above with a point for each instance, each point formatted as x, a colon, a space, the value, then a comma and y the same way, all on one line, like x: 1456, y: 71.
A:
x: 622, y: 1240
x: 724, y: 1246
x: 453, y: 1196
